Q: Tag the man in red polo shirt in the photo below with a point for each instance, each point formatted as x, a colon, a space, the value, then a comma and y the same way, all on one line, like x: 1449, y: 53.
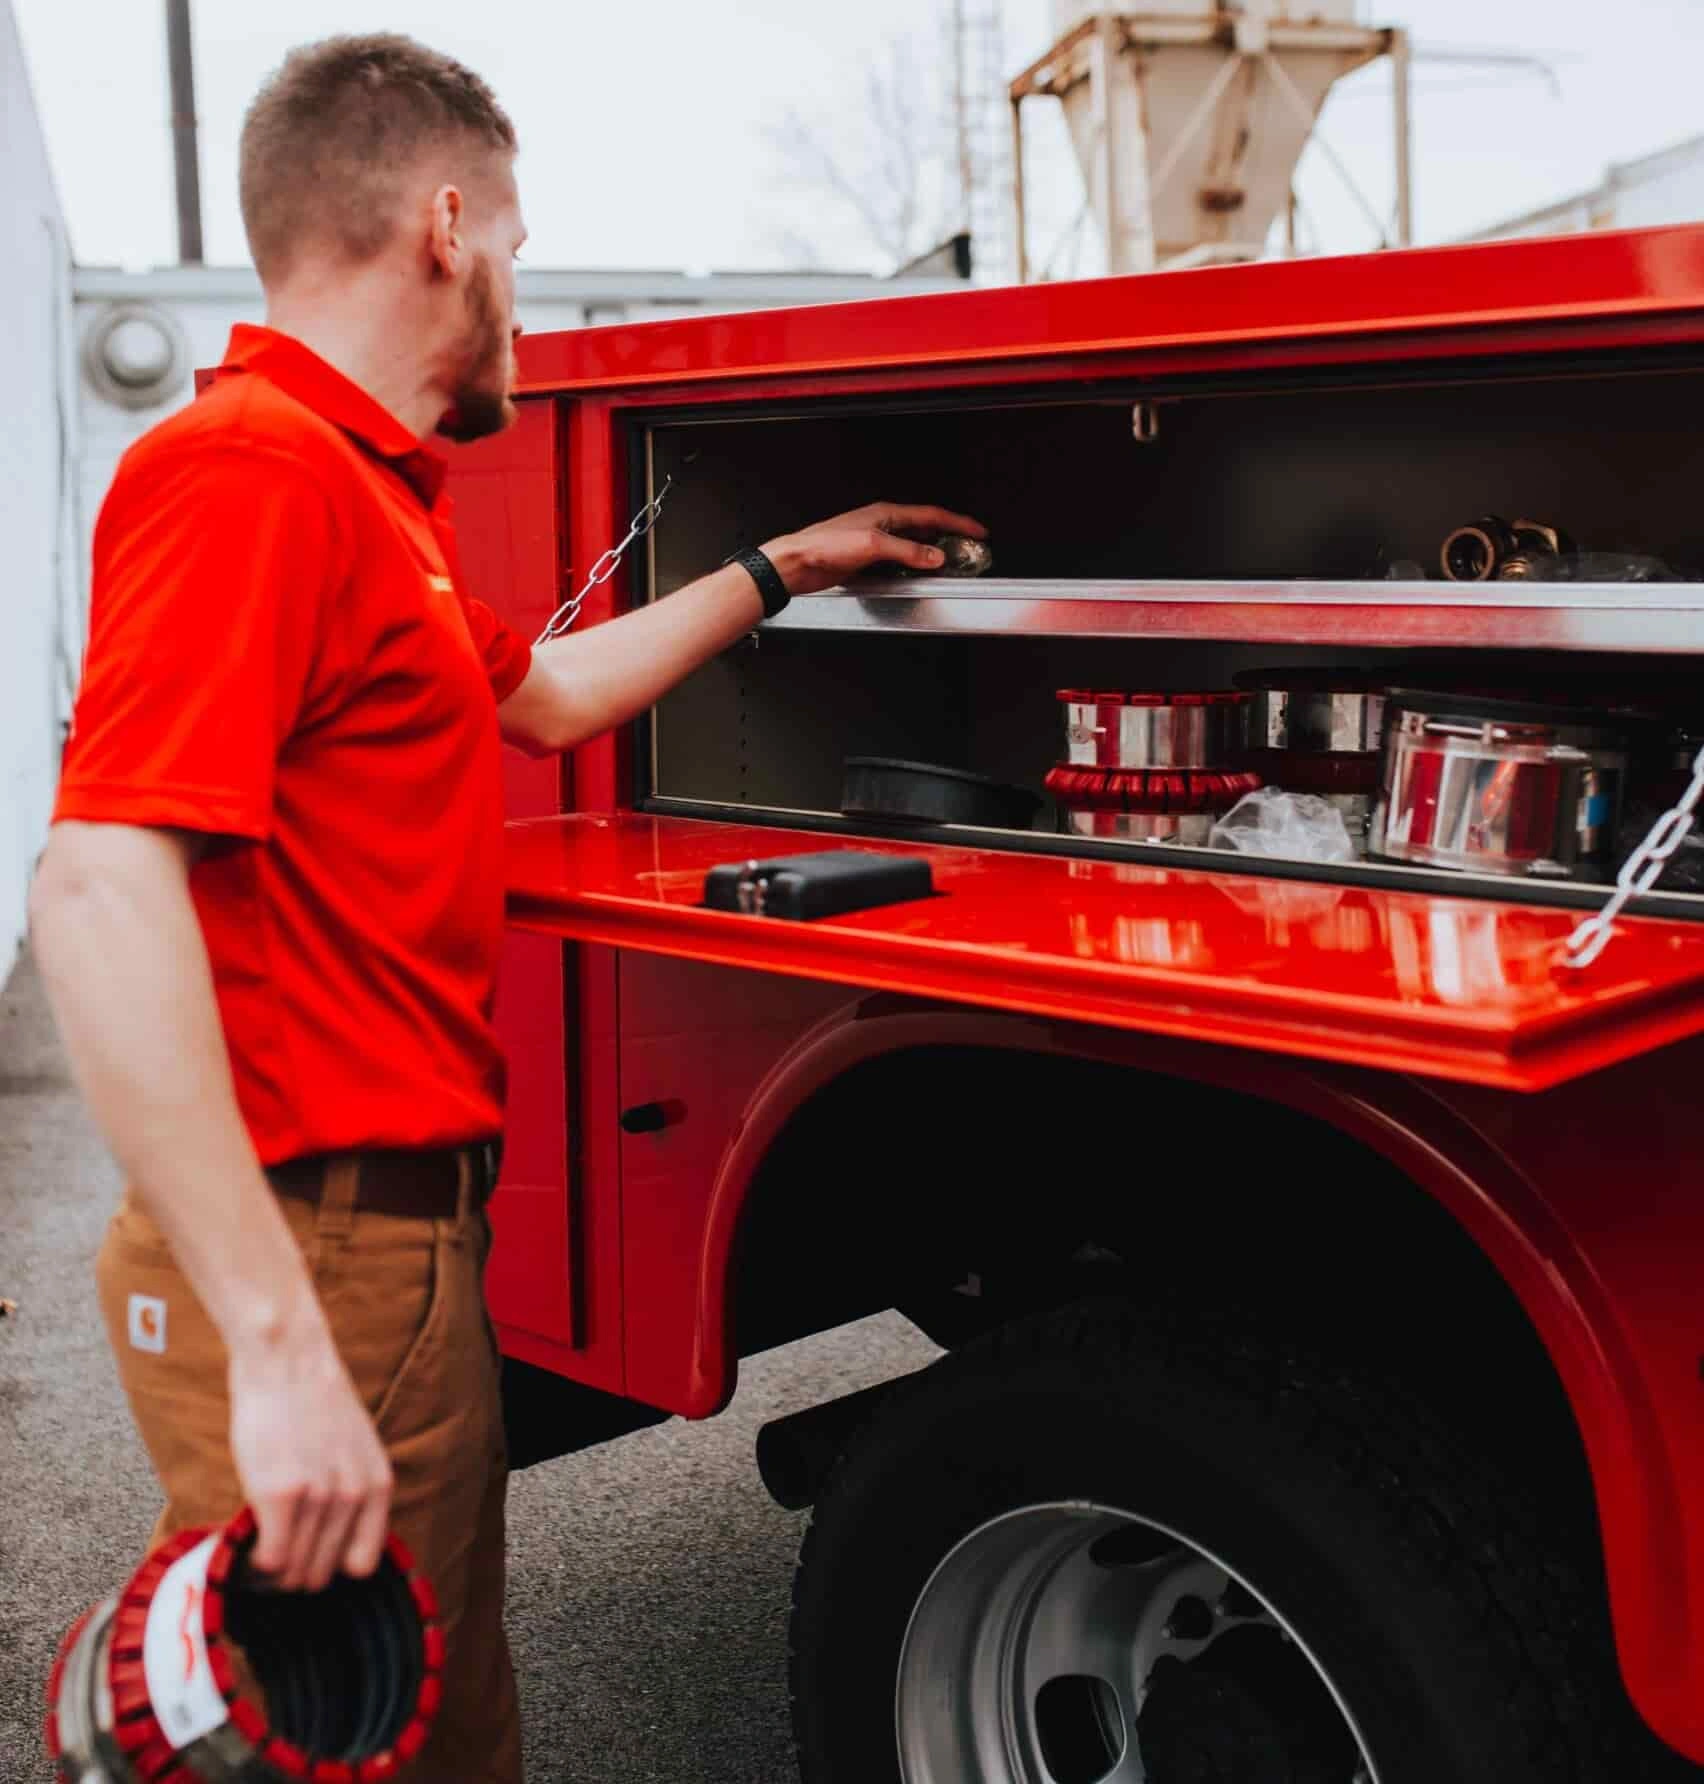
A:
x: 270, y: 911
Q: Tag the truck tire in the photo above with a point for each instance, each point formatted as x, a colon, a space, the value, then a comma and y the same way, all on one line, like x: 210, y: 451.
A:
x: 1101, y: 1548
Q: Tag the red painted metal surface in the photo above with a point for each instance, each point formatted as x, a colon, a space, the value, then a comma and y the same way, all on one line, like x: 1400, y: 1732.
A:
x: 598, y: 512
x: 1614, y: 1160
x: 1378, y: 303
x: 507, y: 493
x: 703, y: 1038
x: 1452, y: 988
x: 535, y: 508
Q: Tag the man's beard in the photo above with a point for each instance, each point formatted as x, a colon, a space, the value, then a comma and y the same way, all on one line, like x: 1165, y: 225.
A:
x: 480, y: 399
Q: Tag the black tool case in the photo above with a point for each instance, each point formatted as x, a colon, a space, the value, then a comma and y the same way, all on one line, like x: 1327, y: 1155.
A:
x: 830, y: 884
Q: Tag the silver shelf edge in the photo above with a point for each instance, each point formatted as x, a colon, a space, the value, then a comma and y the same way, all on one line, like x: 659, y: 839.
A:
x: 1631, y: 617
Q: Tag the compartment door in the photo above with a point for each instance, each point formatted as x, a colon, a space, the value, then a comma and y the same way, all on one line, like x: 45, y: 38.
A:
x: 1467, y: 989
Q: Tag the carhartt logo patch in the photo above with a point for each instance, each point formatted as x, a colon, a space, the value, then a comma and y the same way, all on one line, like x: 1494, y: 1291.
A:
x: 147, y: 1323
x: 442, y: 584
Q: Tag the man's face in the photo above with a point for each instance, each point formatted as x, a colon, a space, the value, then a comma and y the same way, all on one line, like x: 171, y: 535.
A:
x: 483, y: 353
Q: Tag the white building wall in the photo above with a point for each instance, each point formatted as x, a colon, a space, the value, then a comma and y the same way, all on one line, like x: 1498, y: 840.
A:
x: 204, y: 303
x: 37, y: 462
x: 1663, y: 188
x: 1669, y: 189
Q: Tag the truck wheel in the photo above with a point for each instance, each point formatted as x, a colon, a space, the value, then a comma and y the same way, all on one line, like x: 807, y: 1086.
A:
x: 1092, y: 1549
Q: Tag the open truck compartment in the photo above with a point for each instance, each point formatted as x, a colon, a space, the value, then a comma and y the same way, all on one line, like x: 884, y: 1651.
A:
x: 1213, y: 1073
x: 1198, y: 538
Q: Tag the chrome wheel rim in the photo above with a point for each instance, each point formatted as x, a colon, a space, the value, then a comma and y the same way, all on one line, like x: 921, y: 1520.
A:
x: 1069, y: 1643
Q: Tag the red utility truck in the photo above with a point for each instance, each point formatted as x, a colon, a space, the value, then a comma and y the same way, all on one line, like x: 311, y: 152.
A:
x: 1314, y: 1239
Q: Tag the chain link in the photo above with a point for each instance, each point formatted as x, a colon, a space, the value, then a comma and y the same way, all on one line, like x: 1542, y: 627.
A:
x: 1639, y: 872
x: 606, y: 566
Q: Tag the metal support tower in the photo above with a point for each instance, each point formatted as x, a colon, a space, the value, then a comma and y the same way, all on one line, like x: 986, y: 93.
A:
x: 1187, y: 120
x: 984, y: 150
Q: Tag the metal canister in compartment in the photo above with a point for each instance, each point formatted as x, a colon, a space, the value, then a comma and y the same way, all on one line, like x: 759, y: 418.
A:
x: 1499, y: 787
x: 1140, y: 731
x: 1318, y: 731
x: 1315, y: 714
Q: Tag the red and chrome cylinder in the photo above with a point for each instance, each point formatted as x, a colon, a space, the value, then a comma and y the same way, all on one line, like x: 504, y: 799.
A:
x: 1153, y: 731
x: 336, y: 1687
x: 1150, y: 767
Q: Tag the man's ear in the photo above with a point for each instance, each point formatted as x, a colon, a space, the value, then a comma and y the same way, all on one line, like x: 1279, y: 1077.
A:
x: 446, y: 239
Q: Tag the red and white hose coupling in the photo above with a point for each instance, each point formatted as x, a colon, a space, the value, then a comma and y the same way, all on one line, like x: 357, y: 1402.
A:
x: 165, y: 1681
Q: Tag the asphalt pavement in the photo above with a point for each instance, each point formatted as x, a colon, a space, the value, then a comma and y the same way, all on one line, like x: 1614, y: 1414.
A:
x: 648, y: 1579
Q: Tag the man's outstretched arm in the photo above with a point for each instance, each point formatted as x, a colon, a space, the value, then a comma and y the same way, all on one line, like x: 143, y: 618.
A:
x: 588, y: 683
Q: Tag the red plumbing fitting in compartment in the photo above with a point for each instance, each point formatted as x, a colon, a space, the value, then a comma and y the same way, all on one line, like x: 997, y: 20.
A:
x: 1151, y: 767
x: 1136, y: 790
x: 145, y: 1688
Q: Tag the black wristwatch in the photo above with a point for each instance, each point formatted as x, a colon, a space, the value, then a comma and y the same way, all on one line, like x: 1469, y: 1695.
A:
x: 765, y: 575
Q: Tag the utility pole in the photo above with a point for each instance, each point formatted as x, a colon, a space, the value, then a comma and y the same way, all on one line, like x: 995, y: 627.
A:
x: 967, y: 169
x: 1401, y: 62
x: 186, y: 154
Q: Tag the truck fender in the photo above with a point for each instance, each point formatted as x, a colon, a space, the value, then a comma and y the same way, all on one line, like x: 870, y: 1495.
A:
x: 1416, y: 1128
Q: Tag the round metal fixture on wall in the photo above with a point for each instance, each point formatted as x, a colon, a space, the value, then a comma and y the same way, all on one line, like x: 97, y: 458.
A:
x: 136, y: 355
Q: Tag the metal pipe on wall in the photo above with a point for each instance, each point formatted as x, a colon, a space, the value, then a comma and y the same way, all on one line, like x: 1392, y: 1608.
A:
x: 1103, y: 170
x: 1020, y: 222
x: 186, y: 155
x: 1401, y: 62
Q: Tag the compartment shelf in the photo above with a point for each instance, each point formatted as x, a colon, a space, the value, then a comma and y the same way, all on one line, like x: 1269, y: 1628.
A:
x: 1610, y: 617
x: 1445, y: 987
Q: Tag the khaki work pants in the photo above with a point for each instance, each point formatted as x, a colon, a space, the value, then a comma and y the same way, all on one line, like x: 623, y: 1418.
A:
x: 405, y: 1300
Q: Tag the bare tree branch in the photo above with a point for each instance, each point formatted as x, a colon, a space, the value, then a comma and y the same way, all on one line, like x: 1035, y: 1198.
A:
x: 894, y: 162
x: 814, y: 162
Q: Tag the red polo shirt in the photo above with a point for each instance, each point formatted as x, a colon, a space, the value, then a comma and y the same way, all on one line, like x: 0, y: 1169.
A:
x: 282, y: 657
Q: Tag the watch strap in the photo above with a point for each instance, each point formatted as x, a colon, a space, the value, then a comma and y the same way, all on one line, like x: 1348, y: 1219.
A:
x: 768, y: 579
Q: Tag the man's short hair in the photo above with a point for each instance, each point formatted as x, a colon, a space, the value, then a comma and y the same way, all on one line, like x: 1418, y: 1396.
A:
x: 332, y: 135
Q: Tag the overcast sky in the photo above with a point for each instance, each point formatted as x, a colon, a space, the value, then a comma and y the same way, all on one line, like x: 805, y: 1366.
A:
x: 643, y: 121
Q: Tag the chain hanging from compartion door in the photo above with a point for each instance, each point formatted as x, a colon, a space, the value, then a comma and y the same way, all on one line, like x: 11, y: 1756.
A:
x: 606, y: 566
x: 1639, y: 872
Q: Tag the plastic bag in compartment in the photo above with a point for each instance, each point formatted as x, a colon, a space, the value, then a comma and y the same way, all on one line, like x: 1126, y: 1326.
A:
x: 1286, y: 826
x: 1598, y: 566
x: 1685, y: 869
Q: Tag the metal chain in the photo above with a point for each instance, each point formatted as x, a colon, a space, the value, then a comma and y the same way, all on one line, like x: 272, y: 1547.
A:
x: 606, y: 566
x: 1639, y: 872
